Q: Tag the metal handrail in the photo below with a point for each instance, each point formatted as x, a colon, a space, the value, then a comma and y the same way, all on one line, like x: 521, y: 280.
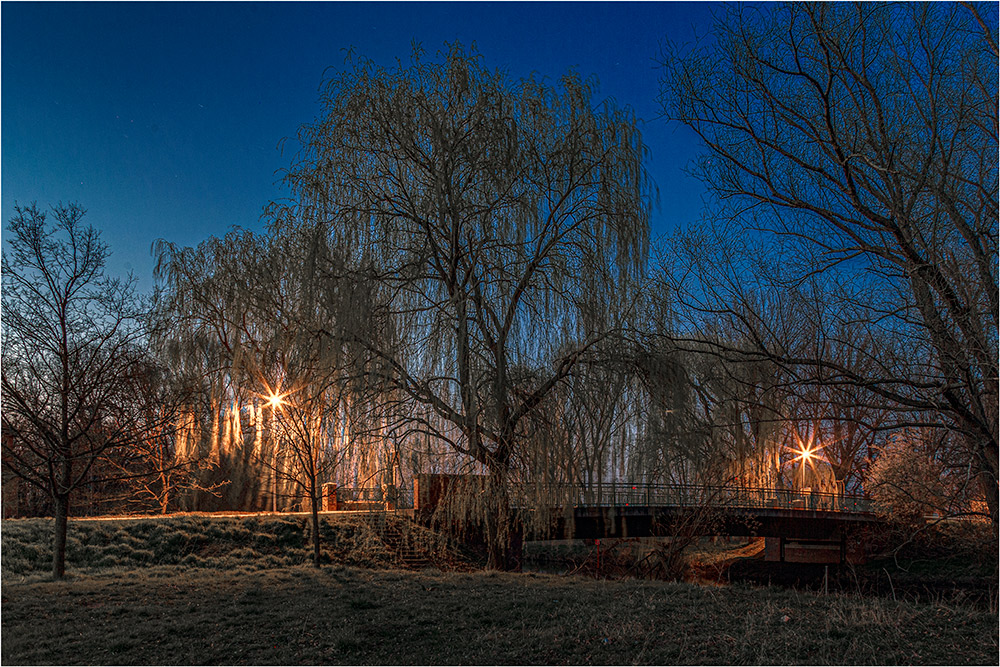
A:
x: 615, y: 494
x: 618, y: 494
x: 375, y: 494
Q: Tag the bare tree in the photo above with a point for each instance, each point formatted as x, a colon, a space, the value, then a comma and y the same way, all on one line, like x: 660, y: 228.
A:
x: 302, y: 454
x: 863, y: 138
x: 273, y: 306
x: 499, y: 220
x: 319, y: 399
x: 74, y: 357
x: 156, y: 472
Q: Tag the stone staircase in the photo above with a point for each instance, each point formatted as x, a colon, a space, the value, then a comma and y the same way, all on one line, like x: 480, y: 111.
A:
x: 409, y: 554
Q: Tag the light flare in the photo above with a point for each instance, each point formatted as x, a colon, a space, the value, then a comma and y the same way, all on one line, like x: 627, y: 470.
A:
x: 806, y: 455
x: 807, y: 452
x: 274, y: 398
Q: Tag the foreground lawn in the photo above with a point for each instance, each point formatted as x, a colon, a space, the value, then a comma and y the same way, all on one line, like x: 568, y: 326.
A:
x: 297, y: 615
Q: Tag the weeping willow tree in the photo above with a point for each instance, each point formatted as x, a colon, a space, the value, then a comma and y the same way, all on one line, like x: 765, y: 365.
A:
x: 498, y: 218
x: 207, y: 340
x: 249, y: 312
x: 275, y: 327
x: 709, y: 419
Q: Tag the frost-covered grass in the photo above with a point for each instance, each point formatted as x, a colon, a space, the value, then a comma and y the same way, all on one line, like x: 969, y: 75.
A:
x: 345, y: 615
x: 239, y: 590
x: 221, y: 542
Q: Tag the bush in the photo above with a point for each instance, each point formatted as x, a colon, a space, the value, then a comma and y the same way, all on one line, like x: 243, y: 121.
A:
x: 909, y: 480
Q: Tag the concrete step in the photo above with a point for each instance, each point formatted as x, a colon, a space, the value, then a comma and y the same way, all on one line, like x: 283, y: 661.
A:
x: 409, y: 555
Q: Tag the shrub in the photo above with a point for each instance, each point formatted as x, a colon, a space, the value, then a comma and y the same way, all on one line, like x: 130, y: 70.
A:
x: 907, y: 481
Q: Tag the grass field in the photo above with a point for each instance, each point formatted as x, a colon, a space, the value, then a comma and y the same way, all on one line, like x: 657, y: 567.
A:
x: 343, y: 615
x: 138, y: 594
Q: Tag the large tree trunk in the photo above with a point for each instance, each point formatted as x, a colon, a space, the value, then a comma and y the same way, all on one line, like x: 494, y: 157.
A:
x: 506, y: 546
x: 59, y: 536
x: 495, y: 547
x: 61, y: 498
x: 501, y: 528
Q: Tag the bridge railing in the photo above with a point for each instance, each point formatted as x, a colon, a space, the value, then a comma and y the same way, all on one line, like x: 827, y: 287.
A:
x: 616, y: 494
x: 403, y: 495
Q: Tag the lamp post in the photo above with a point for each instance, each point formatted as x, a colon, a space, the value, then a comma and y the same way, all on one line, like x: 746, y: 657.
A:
x: 806, y: 454
x: 275, y: 401
x: 802, y: 472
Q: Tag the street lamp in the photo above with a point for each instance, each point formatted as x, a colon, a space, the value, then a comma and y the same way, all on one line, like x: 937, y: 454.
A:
x: 805, y: 453
x: 274, y: 401
x: 805, y: 457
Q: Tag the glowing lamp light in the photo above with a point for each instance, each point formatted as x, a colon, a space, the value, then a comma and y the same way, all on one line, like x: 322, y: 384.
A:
x: 807, y: 455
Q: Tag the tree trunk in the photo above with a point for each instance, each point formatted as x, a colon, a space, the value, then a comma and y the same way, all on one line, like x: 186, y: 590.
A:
x: 989, y: 485
x: 314, y: 499
x: 501, y: 529
x: 165, y: 494
x: 59, y: 536
x: 495, y: 551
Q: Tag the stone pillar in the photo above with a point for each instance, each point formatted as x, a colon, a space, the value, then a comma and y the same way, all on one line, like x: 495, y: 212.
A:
x: 330, y: 497
x: 390, y: 495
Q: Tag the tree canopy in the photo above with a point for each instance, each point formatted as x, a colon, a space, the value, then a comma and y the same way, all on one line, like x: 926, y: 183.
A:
x: 499, y: 219
x: 862, y: 138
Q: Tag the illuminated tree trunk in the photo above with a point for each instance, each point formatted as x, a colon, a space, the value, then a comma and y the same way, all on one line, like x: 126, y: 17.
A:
x: 214, y: 441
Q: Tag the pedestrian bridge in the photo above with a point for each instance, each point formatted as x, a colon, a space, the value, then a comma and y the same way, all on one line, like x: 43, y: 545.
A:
x: 655, y: 510
x: 800, y: 525
x: 623, y: 509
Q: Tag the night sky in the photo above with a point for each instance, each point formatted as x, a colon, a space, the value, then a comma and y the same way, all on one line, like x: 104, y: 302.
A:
x: 164, y: 120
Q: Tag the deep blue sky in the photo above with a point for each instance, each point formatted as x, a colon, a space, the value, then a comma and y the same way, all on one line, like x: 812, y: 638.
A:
x: 164, y: 120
